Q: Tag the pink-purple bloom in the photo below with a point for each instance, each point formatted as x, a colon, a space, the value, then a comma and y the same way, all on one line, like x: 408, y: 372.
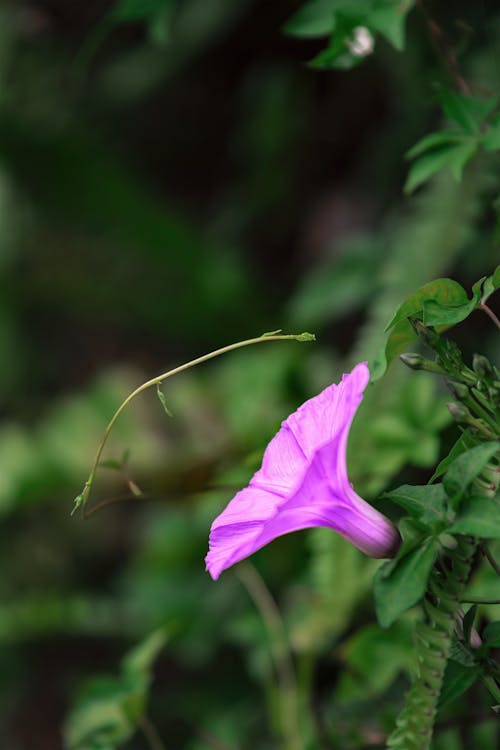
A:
x: 303, y: 483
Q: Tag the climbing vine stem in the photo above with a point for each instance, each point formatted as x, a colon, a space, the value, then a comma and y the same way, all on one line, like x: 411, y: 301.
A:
x: 415, y: 724
x: 82, y: 499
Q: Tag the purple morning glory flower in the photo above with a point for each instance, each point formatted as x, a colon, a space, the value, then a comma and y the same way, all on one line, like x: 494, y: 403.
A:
x: 303, y: 483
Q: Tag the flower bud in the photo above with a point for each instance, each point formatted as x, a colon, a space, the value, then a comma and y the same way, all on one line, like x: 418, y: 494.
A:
x: 482, y: 366
x: 416, y: 362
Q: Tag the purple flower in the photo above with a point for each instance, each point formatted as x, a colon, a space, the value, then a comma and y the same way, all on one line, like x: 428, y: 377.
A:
x: 303, y: 483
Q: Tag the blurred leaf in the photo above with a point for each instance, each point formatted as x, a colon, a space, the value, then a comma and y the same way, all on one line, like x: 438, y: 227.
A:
x: 389, y: 18
x: 400, y: 584
x: 337, y: 287
x: 108, y: 709
x: 453, y: 156
x: 315, y: 18
x: 466, y: 467
x: 447, y: 297
x: 491, y: 284
x: 373, y: 658
x: 466, y: 111
x: 479, y: 516
x: 491, y: 139
x: 133, y: 10
x: 464, y: 442
x: 426, y: 503
x: 457, y: 679
x: 491, y: 635
x: 468, y: 622
x: 435, y: 140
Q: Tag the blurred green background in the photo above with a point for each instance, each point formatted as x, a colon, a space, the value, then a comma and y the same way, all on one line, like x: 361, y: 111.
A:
x: 173, y: 179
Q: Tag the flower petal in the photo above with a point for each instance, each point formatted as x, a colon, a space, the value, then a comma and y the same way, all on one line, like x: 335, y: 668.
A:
x: 303, y: 483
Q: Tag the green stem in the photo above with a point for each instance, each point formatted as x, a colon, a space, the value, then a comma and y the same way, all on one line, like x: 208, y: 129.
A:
x: 280, y: 650
x: 489, y: 312
x: 415, y: 724
x: 82, y: 499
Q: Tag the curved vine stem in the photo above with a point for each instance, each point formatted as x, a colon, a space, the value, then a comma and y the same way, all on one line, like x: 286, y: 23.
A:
x: 489, y: 312
x: 82, y: 499
x: 415, y: 724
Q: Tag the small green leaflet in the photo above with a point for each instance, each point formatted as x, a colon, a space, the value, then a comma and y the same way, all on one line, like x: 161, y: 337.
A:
x: 339, y: 19
x: 440, y: 303
x: 479, y: 516
x: 468, y: 112
x: 443, y: 295
x: 466, y: 467
x: 401, y: 585
x: 491, y: 284
x: 453, y: 155
x: 491, y: 635
x: 457, y: 679
x: 108, y: 709
x: 453, y: 149
x: 464, y: 442
x: 426, y: 503
x: 163, y: 400
x: 136, y: 10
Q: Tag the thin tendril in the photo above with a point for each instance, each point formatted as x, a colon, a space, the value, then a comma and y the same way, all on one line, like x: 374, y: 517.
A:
x: 280, y: 650
x: 489, y: 312
x: 82, y: 499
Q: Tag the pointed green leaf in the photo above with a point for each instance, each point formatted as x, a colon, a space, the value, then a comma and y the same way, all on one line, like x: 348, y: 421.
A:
x: 453, y: 156
x: 444, y: 292
x: 468, y: 622
x: 315, y: 18
x: 480, y: 516
x: 401, y: 335
x: 466, y: 111
x: 163, y: 400
x: 134, y: 10
x: 491, y: 635
x: 464, y: 442
x: 389, y: 19
x: 426, y: 503
x: 466, y: 467
x: 491, y: 139
x: 399, y: 586
x: 435, y: 140
x: 457, y: 679
x: 491, y: 284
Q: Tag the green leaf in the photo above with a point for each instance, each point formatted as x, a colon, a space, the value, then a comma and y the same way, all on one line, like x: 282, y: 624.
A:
x: 389, y: 19
x: 491, y: 635
x: 337, y: 54
x: 163, y: 400
x: 464, y: 442
x: 466, y: 111
x: 400, y: 585
x: 491, y: 284
x: 435, y: 140
x: 315, y: 18
x: 491, y: 139
x: 444, y: 292
x: 136, y: 10
x: 480, y: 516
x: 426, y: 503
x: 457, y: 679
x: 401, y: 335
x: 375, y: 657
x: 466, y: 467
x: 140, y: 660
x: 453, y: 156
x: 108, y: 709
x: 468, y: 622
